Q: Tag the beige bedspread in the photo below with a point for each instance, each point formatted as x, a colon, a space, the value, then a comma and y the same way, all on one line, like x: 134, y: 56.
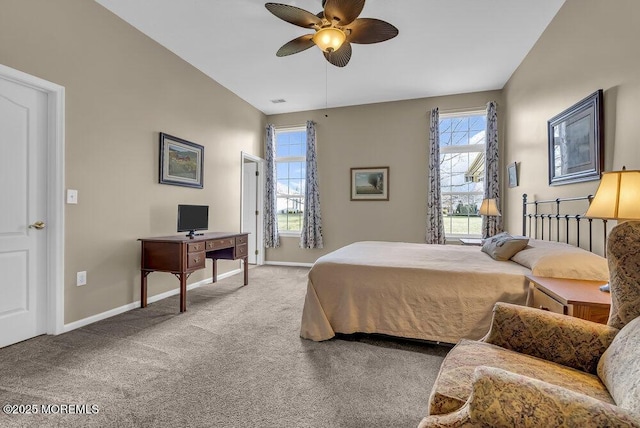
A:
x: 440, y: 293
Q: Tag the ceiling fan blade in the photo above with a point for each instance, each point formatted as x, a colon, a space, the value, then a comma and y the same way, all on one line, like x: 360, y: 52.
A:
x: 341, y: 57
x: 370, y: 30
x: 294, y: 15
x: 296, y: 45
x: 342, y: 12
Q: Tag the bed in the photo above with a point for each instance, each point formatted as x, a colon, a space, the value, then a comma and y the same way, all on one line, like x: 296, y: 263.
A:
x: 438, y: 293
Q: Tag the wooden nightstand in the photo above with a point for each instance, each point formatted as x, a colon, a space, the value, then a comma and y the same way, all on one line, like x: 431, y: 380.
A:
x: 577, y: 298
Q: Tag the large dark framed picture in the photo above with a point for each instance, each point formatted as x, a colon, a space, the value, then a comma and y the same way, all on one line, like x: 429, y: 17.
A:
x: 576, y: 142
x: 370, y: 184
x: 181, y: 162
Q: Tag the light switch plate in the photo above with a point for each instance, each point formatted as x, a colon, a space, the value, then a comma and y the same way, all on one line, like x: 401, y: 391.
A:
x: 81, y: 278
x: 72, y: 196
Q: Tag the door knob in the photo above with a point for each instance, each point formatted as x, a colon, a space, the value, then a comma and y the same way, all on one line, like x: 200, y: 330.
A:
x: 37, y: 225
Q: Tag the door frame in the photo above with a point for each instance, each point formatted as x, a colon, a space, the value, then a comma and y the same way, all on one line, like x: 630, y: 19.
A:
x: 260, y: 202
x: 54, y: 317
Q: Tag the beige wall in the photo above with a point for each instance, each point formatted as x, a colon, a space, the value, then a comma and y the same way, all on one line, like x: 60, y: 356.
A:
x: 121, y: 90
x: 387, y: 134
x: 590, y: 45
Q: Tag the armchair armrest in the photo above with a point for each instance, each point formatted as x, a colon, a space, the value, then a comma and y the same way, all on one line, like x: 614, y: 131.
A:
x: 572, y: 342
x: 503, y: 399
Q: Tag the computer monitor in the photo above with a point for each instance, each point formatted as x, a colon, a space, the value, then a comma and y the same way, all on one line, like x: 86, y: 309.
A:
x: 192, y: 218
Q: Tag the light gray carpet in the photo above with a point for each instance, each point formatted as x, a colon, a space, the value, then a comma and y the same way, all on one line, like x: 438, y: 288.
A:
x: 234, y: 359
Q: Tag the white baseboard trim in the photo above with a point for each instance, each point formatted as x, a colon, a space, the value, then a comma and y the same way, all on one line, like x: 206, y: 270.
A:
x: 134, y: 305
x: 288, y: 264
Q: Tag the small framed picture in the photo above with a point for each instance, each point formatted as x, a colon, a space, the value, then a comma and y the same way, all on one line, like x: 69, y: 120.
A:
x: 512, y: 169
x: 181, y: 162
x: 370, y: 184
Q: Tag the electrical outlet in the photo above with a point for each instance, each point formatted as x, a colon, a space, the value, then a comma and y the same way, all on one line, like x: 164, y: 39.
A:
x: 81, y: 278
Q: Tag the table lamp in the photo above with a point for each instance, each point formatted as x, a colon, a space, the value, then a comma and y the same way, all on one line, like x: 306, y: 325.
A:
x: 489, y: 208
x: 618, y: 198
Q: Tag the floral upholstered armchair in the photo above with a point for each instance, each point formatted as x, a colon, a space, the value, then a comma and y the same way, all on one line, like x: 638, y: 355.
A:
x: 541, y: 369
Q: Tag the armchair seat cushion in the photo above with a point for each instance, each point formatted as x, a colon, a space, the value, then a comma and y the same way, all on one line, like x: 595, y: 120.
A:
x: 455, y: 380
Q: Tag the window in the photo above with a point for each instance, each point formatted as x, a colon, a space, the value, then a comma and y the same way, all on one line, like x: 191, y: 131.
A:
x: 462, y: 153
x: 291, y: 165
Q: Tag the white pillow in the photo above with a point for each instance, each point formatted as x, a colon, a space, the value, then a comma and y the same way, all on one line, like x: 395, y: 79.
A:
x: 559, y: 260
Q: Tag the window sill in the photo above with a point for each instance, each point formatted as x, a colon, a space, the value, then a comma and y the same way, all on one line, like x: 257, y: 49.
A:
x: 290, y: 234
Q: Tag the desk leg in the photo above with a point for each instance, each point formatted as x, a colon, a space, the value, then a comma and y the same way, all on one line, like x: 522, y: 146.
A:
x: 143, y: 288
x: 215, y: 271
x: 245, y: 261
x: 183, y: 292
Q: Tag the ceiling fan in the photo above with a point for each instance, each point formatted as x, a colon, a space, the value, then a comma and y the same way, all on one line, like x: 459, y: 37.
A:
x: 336, y: 27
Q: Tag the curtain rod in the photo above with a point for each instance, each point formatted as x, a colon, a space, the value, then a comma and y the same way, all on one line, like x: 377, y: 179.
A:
x: 284, y: 127
x: 463, y: 110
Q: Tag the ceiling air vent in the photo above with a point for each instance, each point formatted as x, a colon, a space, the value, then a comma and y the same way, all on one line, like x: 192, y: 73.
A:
x: 278, y: 101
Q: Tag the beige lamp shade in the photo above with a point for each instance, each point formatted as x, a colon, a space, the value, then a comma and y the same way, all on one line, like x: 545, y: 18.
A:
x: 329, y: 39
x: 489, y: 207
x: 618, y: 196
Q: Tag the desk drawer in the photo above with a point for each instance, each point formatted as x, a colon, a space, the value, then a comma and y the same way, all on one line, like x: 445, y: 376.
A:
x: 547, y: 303
x: 195, y: 260
x: 241, y: 251
x: 214, y: 244
x: 241, y: 239
x: 196, y: 247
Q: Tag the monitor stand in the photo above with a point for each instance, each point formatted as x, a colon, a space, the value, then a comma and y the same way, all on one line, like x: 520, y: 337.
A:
x: 192, y: 234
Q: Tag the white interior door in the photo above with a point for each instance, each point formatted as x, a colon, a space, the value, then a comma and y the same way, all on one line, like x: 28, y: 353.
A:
x: 250, y: 207
x: 23, y: 184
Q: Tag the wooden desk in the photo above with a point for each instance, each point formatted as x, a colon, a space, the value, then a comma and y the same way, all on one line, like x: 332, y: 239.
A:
x: 577, y: 298
x: 181, y: 256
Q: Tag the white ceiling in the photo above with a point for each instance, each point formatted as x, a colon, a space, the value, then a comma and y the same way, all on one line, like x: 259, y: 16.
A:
x: 443, y: 47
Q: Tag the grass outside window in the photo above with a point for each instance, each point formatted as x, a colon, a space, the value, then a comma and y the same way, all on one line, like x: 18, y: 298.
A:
x: 462, y: 225
x: 291, y: 222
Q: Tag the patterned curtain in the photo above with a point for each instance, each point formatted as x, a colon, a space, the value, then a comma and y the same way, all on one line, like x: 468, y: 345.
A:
x: 491, y: 171
x: 271, y: 237
x: 435, y: 225
x: 311, y: 236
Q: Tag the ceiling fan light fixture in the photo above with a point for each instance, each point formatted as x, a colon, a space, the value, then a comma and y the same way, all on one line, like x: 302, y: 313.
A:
x: 337, y: 27
x: 329, y: 39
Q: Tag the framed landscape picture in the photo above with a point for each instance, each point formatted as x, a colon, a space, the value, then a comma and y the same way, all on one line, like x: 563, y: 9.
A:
x: 181, y: 162
x: 370, y: 184
x: 576, y: 147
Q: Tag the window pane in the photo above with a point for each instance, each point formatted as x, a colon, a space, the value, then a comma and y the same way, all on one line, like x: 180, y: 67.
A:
x: 460, y: 138
x: 462, y: 173
x: 445, y: 171
x: 290, y: 179
x: 445, y: 138
x: 461, y: 214
x: 478, y: 138
x: 298, y: 143
x: 282, y: 187
x: 282, y: 170
x: 294, y: 187
x: 291, y: 143
x: 290, y: 211
x: 477, y: 123
x: 282, y: 208
x: 296, y: 169
x: 457, y: 124
x: 445, y: 125
x: 282, y: 148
